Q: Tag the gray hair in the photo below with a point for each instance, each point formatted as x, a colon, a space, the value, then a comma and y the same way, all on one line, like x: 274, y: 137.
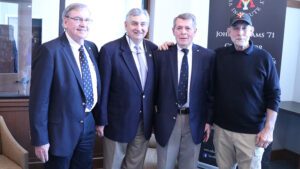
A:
x: 71, y: 7
x: 185, y: 16
x: 137, y: 12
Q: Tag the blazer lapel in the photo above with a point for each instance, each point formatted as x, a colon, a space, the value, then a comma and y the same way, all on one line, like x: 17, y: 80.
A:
x: 195, y: 63
x: 93, y: 59
x: 91, y: 54
x: 69, y: 55
x: 174, y: 67
x: 150, y: 66
x: 128, y: 58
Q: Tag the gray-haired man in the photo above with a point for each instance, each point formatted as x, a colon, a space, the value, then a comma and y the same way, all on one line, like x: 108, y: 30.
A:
x: 127, y: 94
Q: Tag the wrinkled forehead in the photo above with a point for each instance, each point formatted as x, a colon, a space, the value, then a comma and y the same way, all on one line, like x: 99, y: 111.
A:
x: 179, y: 22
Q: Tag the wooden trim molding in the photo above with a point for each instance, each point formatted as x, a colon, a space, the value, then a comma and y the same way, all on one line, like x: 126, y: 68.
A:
x: 293, y: 3
x: 62, y: 5
x: 13, y: 103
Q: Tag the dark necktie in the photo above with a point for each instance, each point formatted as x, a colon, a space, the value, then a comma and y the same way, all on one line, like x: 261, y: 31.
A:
x: 183, y: 79
x: 86, y: 79
x: 143, y: 68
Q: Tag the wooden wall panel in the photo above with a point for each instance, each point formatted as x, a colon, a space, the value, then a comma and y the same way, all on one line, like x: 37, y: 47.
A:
x: 293, y: 3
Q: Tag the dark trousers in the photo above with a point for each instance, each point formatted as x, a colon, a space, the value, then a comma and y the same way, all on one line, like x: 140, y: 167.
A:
x: 82, y: 156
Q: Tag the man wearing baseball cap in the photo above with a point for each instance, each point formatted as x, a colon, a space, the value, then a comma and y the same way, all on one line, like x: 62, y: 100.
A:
x: 247, y: 96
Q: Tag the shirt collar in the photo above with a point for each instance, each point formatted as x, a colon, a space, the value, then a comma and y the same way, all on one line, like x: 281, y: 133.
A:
x: 132, y: 45
x: 189, y: 48
x: 73, y: 44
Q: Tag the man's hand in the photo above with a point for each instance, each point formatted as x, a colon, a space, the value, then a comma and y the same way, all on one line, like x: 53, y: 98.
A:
x: 207, y: 130
x: 166, y: 45
x: 264, y: 138
x: 100, y: 131
x: 41, y: 152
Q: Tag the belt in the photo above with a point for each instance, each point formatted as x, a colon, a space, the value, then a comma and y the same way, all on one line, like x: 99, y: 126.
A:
x: 183, y: 110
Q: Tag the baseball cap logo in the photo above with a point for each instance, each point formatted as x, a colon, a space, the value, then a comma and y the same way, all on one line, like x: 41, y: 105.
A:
x: 240, y: 14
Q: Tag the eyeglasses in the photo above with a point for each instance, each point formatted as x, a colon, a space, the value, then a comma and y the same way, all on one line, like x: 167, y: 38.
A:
x: 79, y: 19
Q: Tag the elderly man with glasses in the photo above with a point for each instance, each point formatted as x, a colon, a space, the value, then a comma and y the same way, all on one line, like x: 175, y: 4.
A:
x: 65, y: 86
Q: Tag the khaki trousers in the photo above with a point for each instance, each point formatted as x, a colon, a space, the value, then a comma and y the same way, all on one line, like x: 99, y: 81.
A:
x: 236, y: 149
x: 125, y: 155
x: 180, y: 147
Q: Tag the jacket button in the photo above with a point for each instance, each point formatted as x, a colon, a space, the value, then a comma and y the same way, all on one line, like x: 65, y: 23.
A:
x: 81, y: 121
x: 174, y: 118
x: 83, y: 103
x: 144, y: 96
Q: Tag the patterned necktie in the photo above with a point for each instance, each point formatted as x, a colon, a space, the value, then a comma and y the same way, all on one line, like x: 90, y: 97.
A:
x: 143, y: 67
x: 86, y: 79
x: 183, y: 79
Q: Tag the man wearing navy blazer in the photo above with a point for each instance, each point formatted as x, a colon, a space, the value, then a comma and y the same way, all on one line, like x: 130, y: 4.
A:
x: 180, y: 126
x: 61, y: 120
x: 126, y: 68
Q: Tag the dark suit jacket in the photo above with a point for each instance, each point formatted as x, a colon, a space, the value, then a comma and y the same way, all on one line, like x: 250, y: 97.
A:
x: 166, y: 92
x: 57, y: 101
x: 122, y: 94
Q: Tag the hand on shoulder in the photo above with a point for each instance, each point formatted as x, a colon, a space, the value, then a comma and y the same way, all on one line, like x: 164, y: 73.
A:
x: 166, y: 45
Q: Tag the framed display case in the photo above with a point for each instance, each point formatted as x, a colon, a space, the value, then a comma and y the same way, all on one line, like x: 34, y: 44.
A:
x: 15, y: 50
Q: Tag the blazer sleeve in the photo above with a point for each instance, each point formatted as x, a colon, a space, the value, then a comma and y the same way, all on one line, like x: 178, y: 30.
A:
x: 105, y: 69
x: 40, y: 89
x: 210, y: 94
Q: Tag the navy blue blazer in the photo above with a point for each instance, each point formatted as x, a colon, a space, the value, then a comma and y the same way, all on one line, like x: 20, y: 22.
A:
x: 200, y: 103
x: 57, y: 101
x: 123, y: 99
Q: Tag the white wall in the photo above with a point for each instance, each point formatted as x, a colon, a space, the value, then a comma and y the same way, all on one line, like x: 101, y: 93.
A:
x: 108, y: 18
x: 49, y: 12
x: 290, y: 66
x: 297, y: 83
x: 165, y: 11
x: 109, y: 24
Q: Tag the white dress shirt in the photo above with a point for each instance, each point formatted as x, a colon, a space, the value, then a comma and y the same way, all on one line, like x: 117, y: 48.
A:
x: 75, y: 49
x: 179, y: 61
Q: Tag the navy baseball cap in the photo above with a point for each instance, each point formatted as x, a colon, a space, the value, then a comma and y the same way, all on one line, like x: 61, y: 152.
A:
x: 244, y: 17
